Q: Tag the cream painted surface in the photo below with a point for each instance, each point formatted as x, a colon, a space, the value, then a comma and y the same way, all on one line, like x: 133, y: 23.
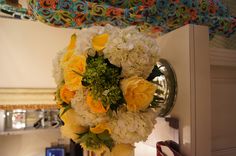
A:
x: 223, y: 86
x: 180, y: 60
x: 142, y: 149
x: 201, y: 91
x: 26, y: 52
x: 187, y: 51
x: 28, y: 144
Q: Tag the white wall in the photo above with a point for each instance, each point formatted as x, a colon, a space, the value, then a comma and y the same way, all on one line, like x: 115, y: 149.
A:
x: 26, y: 52
x: 29, y: 144
x: 223, y: 105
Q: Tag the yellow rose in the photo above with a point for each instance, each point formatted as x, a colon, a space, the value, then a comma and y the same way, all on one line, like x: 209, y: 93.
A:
x: 99, y: 41
x: 71, y: 124
x: 70, y: 50
x: 66, y: 95
x: 100, y: 128
x: 70, y: 133
x: 138, y: 93
x: 73, y: 71
x: 69, y: 117
x: 95, y: 106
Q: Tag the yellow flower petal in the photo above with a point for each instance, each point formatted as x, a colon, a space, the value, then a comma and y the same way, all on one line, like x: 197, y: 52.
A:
x: 71, y: 132
x: 138, y: 93
x: 76, y: 64
x: 100, y: 41
x: 71, y: 124
x: 66, y: 57
x: 95, y: 106
x: 70, y: 50
x: 69, y: 117
x: 100, y: 128
x: 65, y: 94
x: 72, y: 42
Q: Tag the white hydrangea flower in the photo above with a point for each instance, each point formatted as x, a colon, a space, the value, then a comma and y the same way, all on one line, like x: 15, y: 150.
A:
x: 57, y: 70
x: 85, y: 36
x: 135, y: 52
x: 130, y: 127
x: 85, y: 116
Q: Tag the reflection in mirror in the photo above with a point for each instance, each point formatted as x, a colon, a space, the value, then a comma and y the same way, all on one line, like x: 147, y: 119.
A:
x: 17, y: 120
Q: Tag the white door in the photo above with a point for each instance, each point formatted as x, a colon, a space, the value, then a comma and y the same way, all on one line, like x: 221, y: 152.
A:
x: 187, y: 50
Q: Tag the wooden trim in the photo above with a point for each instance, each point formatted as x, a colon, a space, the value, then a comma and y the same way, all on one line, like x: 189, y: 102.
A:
x: 222, y: 57
x: 28, y: 106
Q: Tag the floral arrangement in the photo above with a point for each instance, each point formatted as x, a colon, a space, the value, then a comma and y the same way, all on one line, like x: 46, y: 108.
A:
x: 105, y: 101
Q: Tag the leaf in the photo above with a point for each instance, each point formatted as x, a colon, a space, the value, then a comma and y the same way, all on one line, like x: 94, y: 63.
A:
x: 104, y: 135
x: 66, y: 108
x: 64, y: 104
x: 96, y: 140
x: 100, y: 77
x: 106, y: 139
x: 81, y: 134
x: 90, y: 140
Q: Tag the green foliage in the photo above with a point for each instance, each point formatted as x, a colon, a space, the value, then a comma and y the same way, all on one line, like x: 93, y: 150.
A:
x: 63, y: 104
x: 66, y: 107
x: 95, y: 141
x: 102, y: 78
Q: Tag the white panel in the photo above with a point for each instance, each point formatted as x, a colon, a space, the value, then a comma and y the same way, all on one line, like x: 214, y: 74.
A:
x: 175, y: 47
x: 223, y: 108
x: 223, y: 57
x: 223, y: 84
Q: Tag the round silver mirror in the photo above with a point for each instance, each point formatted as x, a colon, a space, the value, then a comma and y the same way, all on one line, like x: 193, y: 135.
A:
x: 164, y: 77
